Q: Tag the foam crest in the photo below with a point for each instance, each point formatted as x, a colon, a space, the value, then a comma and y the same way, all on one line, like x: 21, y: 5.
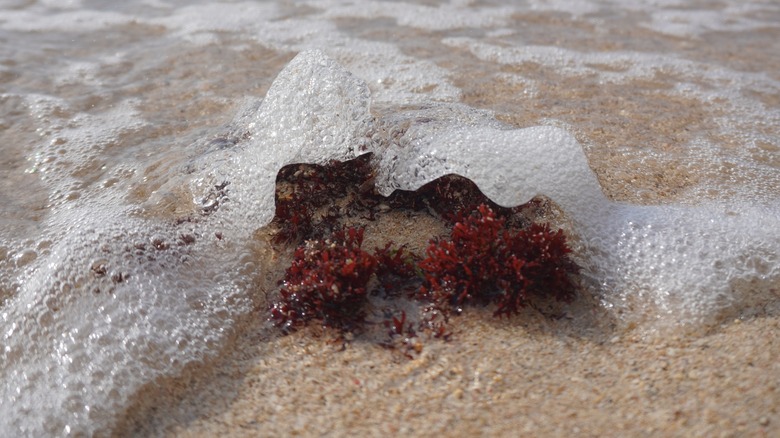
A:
x: 511, y: 166
x: 314, y: 112
x: 689, y: 265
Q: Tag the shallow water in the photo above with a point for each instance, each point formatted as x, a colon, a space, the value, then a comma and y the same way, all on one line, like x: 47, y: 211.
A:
x: 124, y: 256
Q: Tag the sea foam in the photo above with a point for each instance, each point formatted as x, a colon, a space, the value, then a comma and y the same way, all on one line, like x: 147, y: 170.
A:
x: 118, y: 300
x: 677, y: 265
x: 687, y: 265
x: 121, y: 300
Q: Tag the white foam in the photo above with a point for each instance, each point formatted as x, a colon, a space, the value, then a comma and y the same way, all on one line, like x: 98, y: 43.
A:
x: 674, y: 264
x: 743, y: 117
x: 314, y: 112
x: 576, y: 7
x: 77, y: 346
x: 687, y: 23
x: 683, y: 260
x: 201, y: 23
x: 632, y: 65
x: 510, y: 166
x: 391, y: 75
x: 73, y: 143
x: 104, y: 302
x: 42, y: 19
x: 154, y: 303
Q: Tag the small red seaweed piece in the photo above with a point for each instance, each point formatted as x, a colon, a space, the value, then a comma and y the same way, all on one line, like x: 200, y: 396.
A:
x: 395, y: 267
x: 293, y: 218
x: 327, y: 282
x: 401, y: 335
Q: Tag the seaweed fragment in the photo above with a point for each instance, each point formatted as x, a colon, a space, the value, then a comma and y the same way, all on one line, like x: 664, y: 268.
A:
x: 326, y: 281
x: 306, y: 197
x: 484, y: 262
x: 448, y: 197
x: 395, y: 268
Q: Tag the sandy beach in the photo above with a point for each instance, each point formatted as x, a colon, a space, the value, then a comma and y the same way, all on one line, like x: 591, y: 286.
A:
x: 575, y: 372
x: 136, y: 153
x: 584, y: 373
x: 526, y: 377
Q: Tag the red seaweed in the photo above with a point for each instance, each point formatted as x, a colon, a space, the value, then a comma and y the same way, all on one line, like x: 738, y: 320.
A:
x: 483, y: 262
x: 300, y: 212
x: 326, y: 281
x: 492, y: 256
x: 395, y: 267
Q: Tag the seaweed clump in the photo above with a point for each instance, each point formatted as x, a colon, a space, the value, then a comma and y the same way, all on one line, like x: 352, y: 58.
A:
x: 326, y: 281
x: 484, y: 262
x: 493, y: 256
x: 306, y: 207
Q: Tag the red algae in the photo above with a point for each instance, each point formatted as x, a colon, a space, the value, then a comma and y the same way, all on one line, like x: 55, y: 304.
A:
x: 492, y: 256
x: 395, y: 267
x: 307, y: 209
x: 484, y: 262
x: 327, y: 281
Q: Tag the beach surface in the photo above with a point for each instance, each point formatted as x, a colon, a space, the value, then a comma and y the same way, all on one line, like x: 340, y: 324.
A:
x: 529, y: 376
x: 559, y: 370
x: 138, y: 146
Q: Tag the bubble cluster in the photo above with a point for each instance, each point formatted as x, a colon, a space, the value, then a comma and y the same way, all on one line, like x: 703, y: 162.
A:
x: 672, y: 264
x: 109, y: 300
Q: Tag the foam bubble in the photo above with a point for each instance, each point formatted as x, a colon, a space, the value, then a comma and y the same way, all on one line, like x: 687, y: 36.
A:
x: 74, y: 143
x: 114, y: 304
x: 314, y: 112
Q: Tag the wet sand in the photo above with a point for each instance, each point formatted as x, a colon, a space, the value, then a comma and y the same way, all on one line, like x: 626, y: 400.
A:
x: 529, y: 376
x: 577, y: 371
x: 583, y: 373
